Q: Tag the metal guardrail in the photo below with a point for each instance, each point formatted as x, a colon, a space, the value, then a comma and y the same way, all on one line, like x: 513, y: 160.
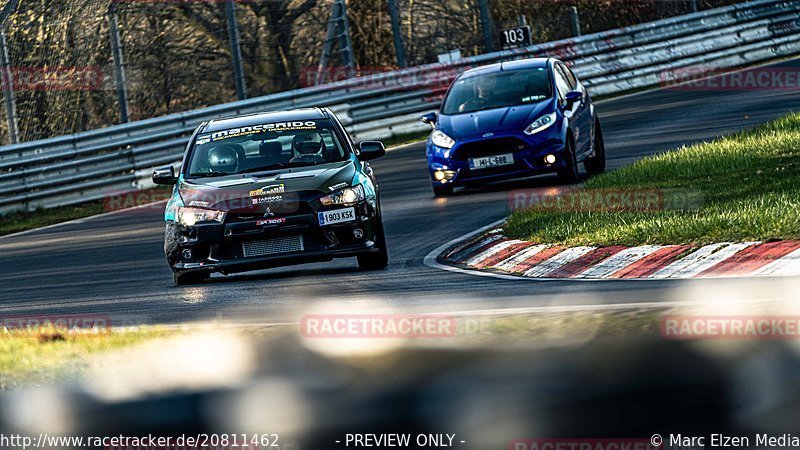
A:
x: 93, y: 164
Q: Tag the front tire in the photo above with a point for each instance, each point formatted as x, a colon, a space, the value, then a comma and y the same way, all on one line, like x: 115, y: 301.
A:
x: 570, y: 174
x: 378, y: 260
x: 597, y: 163
x: 189, y: 278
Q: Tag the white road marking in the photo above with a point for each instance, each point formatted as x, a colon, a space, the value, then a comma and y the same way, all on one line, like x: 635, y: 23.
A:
x: 508, y: 264
x: 619, y: 261
x: 783, y: 266
x: 83, y: 219
x: 430, y: 258
x: 558, y: 261
x: 491, y: 251
x: 703, y: 259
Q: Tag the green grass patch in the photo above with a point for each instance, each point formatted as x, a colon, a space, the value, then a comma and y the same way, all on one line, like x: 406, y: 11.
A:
x: 744, y: 187
x: 563, y: 325
x: 46, y: 355
x: 406, y: 138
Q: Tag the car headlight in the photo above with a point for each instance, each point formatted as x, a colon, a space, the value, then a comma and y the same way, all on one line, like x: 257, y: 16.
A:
x: 347, y: 196
x: 540, y: 124
x: 440, y: 139
x: 191, y: 216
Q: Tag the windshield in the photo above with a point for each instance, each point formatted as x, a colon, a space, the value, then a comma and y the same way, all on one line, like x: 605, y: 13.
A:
x: 497, y: 90
x: 265, y: 147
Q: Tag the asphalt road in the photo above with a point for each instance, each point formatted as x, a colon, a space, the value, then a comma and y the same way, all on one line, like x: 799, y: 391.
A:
x: 114, y: 264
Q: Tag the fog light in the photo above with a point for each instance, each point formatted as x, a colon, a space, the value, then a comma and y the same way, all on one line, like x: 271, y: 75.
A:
x: 438, y: 175
x: 187, y: 254
x: 358, y: 233
x: 550, y: 159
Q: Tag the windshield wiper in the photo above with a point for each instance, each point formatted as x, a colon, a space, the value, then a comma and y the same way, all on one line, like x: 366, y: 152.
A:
x: 209, y: 174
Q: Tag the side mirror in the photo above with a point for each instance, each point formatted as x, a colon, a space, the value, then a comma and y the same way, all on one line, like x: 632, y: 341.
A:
x: 429, y: 118
x: 370, y: 150
x: 573, y: 97
x: 165, y: 176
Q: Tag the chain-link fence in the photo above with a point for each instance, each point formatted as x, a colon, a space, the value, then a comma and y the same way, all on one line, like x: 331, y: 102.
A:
x: 61, y: 76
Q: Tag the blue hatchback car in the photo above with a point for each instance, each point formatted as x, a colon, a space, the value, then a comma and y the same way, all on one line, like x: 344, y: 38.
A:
x: 510, y: 120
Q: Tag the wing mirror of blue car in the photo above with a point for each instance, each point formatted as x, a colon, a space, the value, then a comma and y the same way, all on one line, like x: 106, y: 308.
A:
x: 368, y: 150
x: 429, y: 118
x: 573, y: 97
x: 165, y: 176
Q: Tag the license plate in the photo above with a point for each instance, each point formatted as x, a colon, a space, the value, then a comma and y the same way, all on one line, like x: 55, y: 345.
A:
x: 336, y: 216
x: 491, y: 161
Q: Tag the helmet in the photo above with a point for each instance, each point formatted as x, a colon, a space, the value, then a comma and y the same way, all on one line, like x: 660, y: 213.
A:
x: 485, y: 84
x: 223, y: 159
x: 307, y: 145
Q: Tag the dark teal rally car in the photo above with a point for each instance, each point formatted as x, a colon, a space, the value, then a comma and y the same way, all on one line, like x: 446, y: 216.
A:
x: 272, y: 189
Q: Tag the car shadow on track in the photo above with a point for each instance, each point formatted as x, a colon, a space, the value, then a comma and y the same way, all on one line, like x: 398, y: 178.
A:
x: 280, y: 273
x: 534, y: 182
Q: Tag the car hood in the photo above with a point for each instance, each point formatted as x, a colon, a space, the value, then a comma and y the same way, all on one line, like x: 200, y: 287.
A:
x: 250, y: 192
x: 497, y: 119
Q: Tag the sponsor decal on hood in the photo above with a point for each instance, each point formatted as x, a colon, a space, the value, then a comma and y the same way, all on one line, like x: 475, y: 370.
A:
x: 269, y: 190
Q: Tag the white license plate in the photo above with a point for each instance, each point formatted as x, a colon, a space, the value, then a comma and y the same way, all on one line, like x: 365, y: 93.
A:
x: 491, y: 161
x: 336, y: 216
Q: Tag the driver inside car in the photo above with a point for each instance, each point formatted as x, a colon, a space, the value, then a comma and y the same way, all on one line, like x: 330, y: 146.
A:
x: 308, y: 148
x: 482, y: 88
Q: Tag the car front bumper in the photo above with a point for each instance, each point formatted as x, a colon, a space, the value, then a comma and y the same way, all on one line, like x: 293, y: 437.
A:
x: 241, y: 245
x: 529, y: 153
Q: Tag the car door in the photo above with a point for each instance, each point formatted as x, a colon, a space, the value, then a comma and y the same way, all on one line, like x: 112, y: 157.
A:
x: 580, y: 115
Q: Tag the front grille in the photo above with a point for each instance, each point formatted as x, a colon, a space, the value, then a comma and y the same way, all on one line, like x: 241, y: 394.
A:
x: 279, y: 209
x: 273, y: 246
x: 489, y: 147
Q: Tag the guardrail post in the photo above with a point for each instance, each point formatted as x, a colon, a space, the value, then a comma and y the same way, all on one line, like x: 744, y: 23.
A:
x: 119, y: 64
x: 693, y: 5
x: 236, y: 51
x: 8, y: 88
x: 6, y: 77
x: 575, y: 20
x: 399, y: 47
x: 486, y: 24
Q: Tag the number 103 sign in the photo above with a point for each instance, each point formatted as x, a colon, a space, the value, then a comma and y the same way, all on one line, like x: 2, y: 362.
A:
x: 517, y: 37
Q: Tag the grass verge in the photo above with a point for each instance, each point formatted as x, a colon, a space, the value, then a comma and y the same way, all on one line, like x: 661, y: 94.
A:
x: 407, y: 138
x: 46, y: 355
x: 744, y: 187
